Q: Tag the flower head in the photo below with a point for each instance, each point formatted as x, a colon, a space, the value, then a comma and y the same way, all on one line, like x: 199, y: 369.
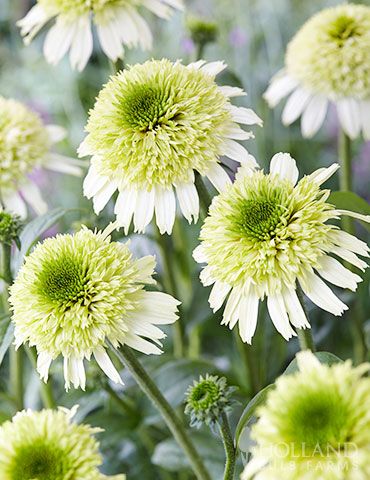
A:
x: 207, y: 399
x: 76, y: 292
x: 267, y: 232
x: 328, y: 60
x: 315, y: 424
x: 118, y: 23
x: 47, y: 445
x: 10, y: 227
x: 25, y: 144
x: 152, y: 127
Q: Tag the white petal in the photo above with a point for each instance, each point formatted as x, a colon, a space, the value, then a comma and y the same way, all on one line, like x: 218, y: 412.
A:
x: 56, y: 133
x: 206, y: 276
x: 144, y: 209
x: 280, y: 87
x: 199, y: 254
x: 349, y: 116
x: 248, y: 314
x: 125, y: 207
x: 82, y: 44
x: 279, y: 316
x: 237, y: 133
x: 320, y: 175
x: 93, y: 182
x: 358, y: 216
x: 32, y: 23
x: 232, y: 91
x: 142, y: 345
x: 219, y: 292
x: 231, y: 312
x: 335, y: 273
x: 102, y: 197
x: 320, y: 294
x: 128, y: 31
x: 145, y: 266
x: 244, y: 115
x: 165, y: 209
x: 59, y: 39
x: 213, y: 68
x: 237, y: 152
x: 218, y: 177
x: 349, y: 257
x: 163, y: 307
x: 253, y: 466
x: 105, y: 363
x: 32, y: 195
x: 196, y: 65
x: 62, y: 164
x: 14, y: 203
x: 188, y: 200
x: 110, y: 40
x: 365, y: 118
x: 43, y: 364
x: 145, y: 36
x: 295, y: 310
x: 314, y: 115
x: 285, y: 166
x: 74, y: 372
x: 295, y: 105
x: 350, y: 242
x: 158, y: 8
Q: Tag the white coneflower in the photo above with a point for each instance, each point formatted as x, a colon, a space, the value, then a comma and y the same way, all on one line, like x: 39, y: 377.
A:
x: 118, y: 23
x: 328, y: 60
x: 47, y: 445
x: 25, y: 144
x: 76, y: 292
x: 315, y: 425
x: 266, y: 233
x: 152, y: 127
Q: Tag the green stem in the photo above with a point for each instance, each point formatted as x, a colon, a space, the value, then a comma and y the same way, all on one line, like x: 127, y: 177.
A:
x: 46, y: 389
x: 5, y: 269
x: 250, y: 363
x: 345, y: 173
x: 127, y: 357
x: 204, y: 197
x: 229, y: 447
x: 166, y: 246
x: 304, y: 334
x: 200, y: 51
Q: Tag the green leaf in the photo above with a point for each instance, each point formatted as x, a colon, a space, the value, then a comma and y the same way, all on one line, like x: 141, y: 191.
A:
x: 170, y: 456
x: 250, y: 410
x: 324, y: 357
x: 6, y: 341
x: 32, y: 232
x: 350, y: 201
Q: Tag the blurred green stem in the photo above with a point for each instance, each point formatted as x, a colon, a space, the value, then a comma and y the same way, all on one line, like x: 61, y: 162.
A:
x: 166, y: 246
x: 229, y: 447
x: 304, y: 334
x: 345, y: 183
x: 128, y: 358
x: 250, y: 363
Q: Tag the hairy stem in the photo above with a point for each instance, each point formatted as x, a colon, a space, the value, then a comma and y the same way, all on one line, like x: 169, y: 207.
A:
x: 229, y: 447
x: 128, y: 358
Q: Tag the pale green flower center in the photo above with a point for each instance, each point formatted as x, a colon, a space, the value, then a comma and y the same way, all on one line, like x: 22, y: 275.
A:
x: 330, y: 54
x: 260, y: 217
x: 41, y: 462
x: 24, y: 142
x: 64, y: 280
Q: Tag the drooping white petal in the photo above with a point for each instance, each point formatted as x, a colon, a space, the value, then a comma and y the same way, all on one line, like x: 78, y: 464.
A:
x: 144, y: 209
x: 32, y: 195
x: 248, y: 314
x: 231, y: 312
x: 162, y: 307
x: 196, y: 65
x: 279, y: 316
x: 350, y: 242
x: 56, y: 133
x: 295, y: 310
x: 349, y: 116
x: 82, y: 44
x: 206, y: 276
x: 32, y: 23
x: 285, y: 166
x: 335, y: 273
x: 110, y: 40
x: 102, y: 197
x: 244, y: 115
x: 199, y: 254
x: 365, y: 118
x: 321, y: 295
x: 142, y: 345
x: 349, y: 257
x: 218, y: 177
x: 93, y: 182
x: 145, y: 36
x: 188, y: 200
x: 358, y: 216
x: 14, y: 203
x: 213, y: 68
x: 145, y: 266
x: 219, y: 292
x: 158, y: 8
x: 165, y: 209
x: 74, y: 372
x: 232, y: 91
x: 125, y: 207
x: 237, y: 152
x: 128, y: 31
x: 314, y: 115
x: 295, y: 105
x: 236, y: 133
x: 62, y: 164
x: 105, y: 363
x: 280, y: 86
x: 43, y: 364
x: 320, y: 175
x: 139, y: 325
x: 59, y: 39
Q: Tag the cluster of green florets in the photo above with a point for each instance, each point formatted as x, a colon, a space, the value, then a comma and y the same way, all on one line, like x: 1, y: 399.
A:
x: 24, y: 142
x: 155, y: 123
x: 201, y: 31
x: 10, y: 227
x: 331, y: 53
x: 73, y: 292
x: 207, y: 399
x: 266, y: 230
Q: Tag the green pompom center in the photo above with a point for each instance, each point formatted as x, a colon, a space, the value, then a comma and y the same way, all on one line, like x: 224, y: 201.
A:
x: 64, y: 280
x: 343, y: 28
x: 41, y: 462
x: 204, y: 395
x: 260, y: 218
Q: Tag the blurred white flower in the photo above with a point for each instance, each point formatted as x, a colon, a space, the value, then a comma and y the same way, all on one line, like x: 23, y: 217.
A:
x: 118, y: 23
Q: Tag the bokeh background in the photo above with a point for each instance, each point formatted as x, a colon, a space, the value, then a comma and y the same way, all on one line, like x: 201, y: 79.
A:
x: 252, y: 36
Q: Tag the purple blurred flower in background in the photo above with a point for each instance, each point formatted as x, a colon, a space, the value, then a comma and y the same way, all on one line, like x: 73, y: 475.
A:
x: 238, y: 37
x: 187, y: 45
